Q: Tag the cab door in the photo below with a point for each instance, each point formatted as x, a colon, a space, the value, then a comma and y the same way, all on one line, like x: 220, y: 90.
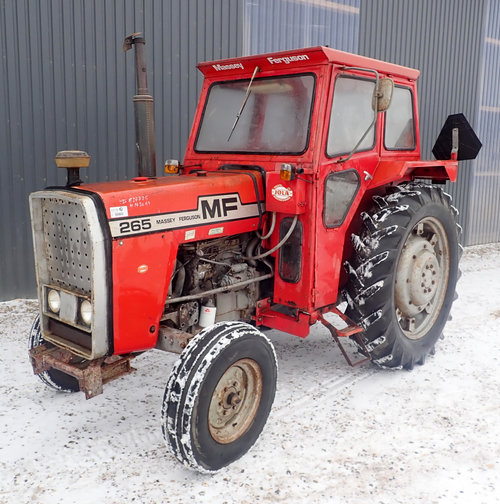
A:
x: 351, y: 155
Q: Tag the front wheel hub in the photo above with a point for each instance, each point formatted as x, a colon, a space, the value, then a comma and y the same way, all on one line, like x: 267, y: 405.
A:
x: 235, y: 401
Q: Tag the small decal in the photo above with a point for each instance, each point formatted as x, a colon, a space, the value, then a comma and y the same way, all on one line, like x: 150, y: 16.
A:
x: 288, y: 59
x: 190, y: 234
x: 231, y: 66
x: 118, y: 211
x: 281, y: 193
x: 215, y: 231
x: 143, y: 268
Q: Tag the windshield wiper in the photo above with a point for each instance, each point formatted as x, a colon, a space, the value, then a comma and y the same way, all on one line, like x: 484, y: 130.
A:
x: 247, y: 94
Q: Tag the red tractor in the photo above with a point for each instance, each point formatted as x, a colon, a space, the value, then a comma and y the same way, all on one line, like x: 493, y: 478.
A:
x: 301, y: 187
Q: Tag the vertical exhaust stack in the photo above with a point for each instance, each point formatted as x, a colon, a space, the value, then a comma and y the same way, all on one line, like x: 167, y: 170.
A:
x: 143, y: 110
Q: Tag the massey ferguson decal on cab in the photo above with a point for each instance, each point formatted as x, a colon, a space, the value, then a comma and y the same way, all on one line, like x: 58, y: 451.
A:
x: 302, y: 193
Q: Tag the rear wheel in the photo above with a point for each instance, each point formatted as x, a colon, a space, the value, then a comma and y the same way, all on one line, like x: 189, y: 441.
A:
x: 219, y: 395
x: 53, y: 378
x: 403, y: 274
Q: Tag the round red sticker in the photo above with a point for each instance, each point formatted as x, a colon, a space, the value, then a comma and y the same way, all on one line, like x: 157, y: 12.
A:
x: 281, y: 193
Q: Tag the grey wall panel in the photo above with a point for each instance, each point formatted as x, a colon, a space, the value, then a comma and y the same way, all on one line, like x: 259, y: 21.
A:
x: 66, y: 84
x: 483, y: 223
x: 445, y: 40
x: 277, y: 25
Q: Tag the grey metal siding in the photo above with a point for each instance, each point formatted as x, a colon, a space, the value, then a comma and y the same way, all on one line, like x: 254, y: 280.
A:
x: 445, y: 40
x: 483, y: 222
x: 66, y: 84
x: 277, y: 25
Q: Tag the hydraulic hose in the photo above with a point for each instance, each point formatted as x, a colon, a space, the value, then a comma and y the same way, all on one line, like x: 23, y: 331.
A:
x: 276, y: 247
x: 271, y: 229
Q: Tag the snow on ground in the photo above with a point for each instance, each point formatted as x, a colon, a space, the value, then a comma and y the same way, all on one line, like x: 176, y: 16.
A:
x: 335, y: 435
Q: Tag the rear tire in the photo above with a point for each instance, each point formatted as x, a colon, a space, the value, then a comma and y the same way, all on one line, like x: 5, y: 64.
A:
x: 53, y: 378
x: 219, y: 395
x: 403, y: 274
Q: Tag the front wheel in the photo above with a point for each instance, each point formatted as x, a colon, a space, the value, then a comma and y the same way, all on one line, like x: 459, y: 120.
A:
x: 219, y: 395
x: 403, y: 274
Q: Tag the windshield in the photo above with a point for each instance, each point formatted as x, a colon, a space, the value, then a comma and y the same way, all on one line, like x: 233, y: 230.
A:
x: 275, y: 118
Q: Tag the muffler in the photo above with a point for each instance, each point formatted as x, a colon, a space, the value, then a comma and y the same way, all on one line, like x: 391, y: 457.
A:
x: 143, y: 110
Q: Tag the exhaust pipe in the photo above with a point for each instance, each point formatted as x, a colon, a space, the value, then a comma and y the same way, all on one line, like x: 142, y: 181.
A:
x: 143, y: 110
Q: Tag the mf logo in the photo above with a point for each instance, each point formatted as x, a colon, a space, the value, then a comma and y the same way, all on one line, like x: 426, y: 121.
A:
x: 218, y: 207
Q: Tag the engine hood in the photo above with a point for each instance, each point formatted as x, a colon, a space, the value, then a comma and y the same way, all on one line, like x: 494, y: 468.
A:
x: 142, y: 205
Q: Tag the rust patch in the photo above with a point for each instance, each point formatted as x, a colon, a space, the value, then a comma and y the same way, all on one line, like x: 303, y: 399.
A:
x: 91, y: 375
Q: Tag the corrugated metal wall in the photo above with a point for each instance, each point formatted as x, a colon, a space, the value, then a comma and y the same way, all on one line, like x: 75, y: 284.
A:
x: 278, y: 25
x: 445, y: 40
x: 66, y: 84
x: 483, y: 222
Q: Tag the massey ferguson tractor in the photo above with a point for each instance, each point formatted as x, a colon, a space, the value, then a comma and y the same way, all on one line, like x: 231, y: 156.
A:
x: 302, y: 193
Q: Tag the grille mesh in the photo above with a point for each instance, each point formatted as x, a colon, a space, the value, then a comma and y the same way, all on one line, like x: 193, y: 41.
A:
x: 67, y: 245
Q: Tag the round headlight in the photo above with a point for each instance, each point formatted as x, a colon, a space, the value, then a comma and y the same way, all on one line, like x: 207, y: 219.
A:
x: 54, y: 301
x: 86, y: 312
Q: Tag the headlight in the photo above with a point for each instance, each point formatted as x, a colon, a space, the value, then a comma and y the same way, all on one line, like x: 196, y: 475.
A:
x: 86, y: 312
x: 54, y: 301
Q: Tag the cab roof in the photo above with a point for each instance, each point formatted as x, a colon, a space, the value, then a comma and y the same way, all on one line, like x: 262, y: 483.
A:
x: 301, y: 58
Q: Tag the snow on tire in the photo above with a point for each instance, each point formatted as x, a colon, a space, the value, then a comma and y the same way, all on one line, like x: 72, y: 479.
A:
x: 53, y: 378
x: 219, y: 395
x: 403, y: 273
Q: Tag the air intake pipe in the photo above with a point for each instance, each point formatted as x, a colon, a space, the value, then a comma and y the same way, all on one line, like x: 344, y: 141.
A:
x: 143, y: 110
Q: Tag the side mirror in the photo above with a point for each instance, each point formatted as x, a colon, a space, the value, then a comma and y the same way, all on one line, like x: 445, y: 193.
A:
x: 385, y: 88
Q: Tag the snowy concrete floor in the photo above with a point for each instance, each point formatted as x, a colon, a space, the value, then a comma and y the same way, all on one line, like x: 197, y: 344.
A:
x: 335, y: 434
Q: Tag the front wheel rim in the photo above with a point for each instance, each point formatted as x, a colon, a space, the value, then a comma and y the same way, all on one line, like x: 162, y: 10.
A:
x: 235, y: 401
x: 422, y: 278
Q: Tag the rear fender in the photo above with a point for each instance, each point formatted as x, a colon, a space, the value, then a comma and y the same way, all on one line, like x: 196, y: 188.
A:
x: 389, y: 172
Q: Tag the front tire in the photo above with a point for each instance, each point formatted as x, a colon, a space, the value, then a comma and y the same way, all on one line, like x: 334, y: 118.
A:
x: 403, y: 274
x: 219, y: 395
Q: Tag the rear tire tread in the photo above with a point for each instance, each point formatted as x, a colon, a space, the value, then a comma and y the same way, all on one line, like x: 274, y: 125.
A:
x: 376, y: 252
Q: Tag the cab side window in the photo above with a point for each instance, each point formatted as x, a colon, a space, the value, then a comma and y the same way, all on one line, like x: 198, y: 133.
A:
x: 340, y: 190
x: 400, y: 121
x: 351, y: 116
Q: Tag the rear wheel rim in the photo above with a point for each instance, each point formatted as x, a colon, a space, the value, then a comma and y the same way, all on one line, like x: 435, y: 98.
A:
x: 235, y: 401
x: 422, y: 278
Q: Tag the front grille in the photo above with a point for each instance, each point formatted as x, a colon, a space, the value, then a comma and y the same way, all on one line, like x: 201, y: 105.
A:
x: 68, y: 250
x: 72, y: 256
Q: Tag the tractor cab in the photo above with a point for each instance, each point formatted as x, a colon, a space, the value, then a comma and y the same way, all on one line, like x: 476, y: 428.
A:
x: 323, y: 128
